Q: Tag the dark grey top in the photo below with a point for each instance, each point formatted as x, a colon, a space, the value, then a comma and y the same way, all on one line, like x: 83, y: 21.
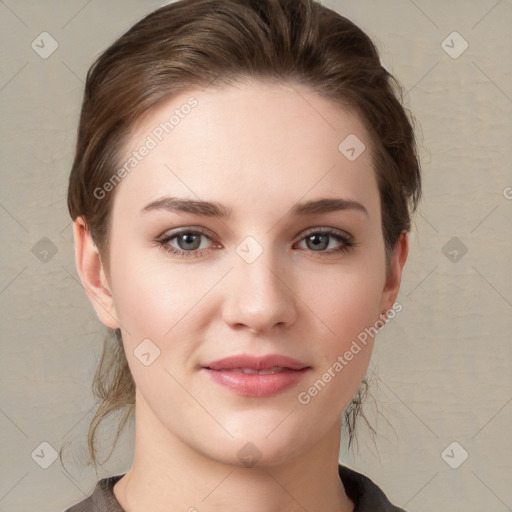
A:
x: 367, y: 496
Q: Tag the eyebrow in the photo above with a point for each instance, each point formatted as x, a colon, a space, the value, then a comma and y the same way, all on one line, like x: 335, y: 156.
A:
x: 213, y: 209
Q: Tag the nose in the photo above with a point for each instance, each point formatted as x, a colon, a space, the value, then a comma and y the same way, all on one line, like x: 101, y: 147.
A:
x: 259, y: 295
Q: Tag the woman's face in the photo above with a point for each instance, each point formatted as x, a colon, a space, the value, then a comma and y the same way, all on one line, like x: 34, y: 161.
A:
x: 264, y: 269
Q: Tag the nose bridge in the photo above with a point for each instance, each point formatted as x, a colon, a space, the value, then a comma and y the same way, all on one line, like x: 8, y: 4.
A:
x: 258, y: 296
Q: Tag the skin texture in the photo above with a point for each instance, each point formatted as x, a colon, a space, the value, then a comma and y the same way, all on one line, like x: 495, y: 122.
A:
x: 257, y: 149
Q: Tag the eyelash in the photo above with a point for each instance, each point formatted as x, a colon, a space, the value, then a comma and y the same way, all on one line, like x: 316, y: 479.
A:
x: 345, y: 239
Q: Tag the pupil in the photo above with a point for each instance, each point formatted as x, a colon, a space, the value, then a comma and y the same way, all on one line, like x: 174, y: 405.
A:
x: 189, y: 239
x: 317, y: 242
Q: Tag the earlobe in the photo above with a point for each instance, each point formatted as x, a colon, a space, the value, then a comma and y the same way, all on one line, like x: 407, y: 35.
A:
x: 91, y: 272
x: 396, y: 265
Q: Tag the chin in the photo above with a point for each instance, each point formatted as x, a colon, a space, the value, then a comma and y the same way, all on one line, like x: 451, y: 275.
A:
x: 251, y: 455
x: 260, y: 447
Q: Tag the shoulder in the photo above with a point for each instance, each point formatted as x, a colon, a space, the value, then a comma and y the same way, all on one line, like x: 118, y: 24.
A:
x: 365, y: 494
x: 101, y: 500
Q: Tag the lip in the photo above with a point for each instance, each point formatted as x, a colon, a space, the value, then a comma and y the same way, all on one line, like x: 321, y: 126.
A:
x: 256, y: 363
x: 286, y: 372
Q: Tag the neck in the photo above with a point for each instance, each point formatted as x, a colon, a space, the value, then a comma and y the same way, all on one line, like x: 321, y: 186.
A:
x: 168, y: 474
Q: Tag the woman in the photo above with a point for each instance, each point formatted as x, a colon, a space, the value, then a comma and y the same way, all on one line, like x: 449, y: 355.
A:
x: 241, y: 196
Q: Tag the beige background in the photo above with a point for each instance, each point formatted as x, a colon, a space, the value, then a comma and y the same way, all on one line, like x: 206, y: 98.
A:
x: 444, y: 363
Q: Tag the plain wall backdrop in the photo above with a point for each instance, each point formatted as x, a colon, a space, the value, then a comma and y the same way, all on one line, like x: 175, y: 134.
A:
x: 444, y: 363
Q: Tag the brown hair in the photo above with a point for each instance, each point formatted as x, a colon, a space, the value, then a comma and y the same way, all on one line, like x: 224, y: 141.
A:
x: 193, y: 43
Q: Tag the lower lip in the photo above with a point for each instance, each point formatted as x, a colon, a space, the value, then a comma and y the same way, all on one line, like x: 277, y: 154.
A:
x: 260, y: 385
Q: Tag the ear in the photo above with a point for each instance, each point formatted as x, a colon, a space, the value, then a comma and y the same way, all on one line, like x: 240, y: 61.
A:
x: 92, y: 275
x: 396, y: 265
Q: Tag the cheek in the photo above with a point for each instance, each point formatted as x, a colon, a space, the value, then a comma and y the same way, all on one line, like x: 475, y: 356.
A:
x: 348, y: 306
x: 345, y: 301
x: 162, y: 301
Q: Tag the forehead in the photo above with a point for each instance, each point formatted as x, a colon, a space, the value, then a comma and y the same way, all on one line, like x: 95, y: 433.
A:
x: 245, y: 143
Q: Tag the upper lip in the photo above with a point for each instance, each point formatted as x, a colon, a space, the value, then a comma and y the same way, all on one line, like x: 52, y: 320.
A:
x: 256, y: 363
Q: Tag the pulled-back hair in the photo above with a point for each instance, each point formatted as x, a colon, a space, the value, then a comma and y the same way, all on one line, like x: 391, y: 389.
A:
x: 194, y: 43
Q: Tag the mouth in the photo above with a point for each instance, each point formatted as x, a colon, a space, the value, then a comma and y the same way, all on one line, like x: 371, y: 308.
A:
x: 256, y: 376
x: 251, y: 371
x: 271, y: 363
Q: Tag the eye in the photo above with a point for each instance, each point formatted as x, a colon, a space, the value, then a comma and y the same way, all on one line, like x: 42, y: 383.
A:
x: 191, y: 242
x: 327, y: 241
x: 185, y: 242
